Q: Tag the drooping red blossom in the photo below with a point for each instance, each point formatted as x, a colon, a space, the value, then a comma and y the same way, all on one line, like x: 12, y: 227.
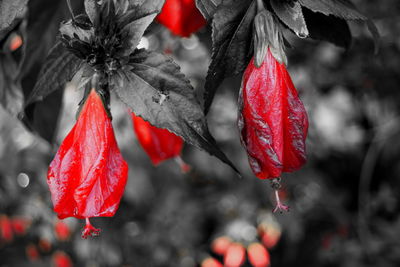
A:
x: 159, y: 144
x: 258, y: 255
x: 88, y: 175
x: 181, y: 17
x: 273, y: 121
x: 235, y: 255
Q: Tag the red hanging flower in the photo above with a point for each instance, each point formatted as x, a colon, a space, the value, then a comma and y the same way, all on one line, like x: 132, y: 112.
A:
x: 181, y: 16
x: 87, y: 177
x: 273, y: 121
x: 159, y: 144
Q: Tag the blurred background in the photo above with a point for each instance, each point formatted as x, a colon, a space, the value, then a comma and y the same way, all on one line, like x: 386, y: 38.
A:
x: 344, y: 202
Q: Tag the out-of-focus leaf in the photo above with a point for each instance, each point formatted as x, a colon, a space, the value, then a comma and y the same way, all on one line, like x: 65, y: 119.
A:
x: 11, y: 97
x: 10, y: 10
x: 291, y: 14
x: 155, y: 89
x: 59, y: 68
x: 92, y: 10
x: 328, y: 28
x: 44, y: 19
x: 207, y: 7
x: 42, y: 117
x: 232, y: 34
x: 343, y: 9
x: 339, y: 8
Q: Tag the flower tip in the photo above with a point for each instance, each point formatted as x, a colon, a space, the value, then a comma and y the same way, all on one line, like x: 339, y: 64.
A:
x: 279, y: 205
x: 185, y: 168
x: 90, y: 230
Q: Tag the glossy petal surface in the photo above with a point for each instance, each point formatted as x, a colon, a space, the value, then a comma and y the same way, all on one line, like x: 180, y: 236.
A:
x: 181, y: 17
x: 159, y: 144
x: 87, y: 177
x: 272, y: 119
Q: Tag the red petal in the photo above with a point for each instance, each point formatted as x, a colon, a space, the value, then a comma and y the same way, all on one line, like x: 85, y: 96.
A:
x: 273, y: 121
x: 181, y: 16
x: 159, y: 144
x: 87, y: 177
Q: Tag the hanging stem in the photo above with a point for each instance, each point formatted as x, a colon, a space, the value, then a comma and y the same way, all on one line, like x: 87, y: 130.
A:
x: 260, y: 5
x: 70, y: 9
x: 276, y: 185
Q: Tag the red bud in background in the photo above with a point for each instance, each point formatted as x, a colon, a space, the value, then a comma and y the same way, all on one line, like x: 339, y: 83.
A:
x: 20, y: 225
x: 258, y: 255
x: 6, y: 231
x: 32, y: 253
x: 220, y: 245
x: 235, y: 255
x: 44, y: 245
x: 87, y: 177
x: 61, y: 259
x: 181, y: 17
x: 62, y: 231
x: 16, y: 42
x: 273, y: 121
x: 159, y: 144
x: 211, y: 262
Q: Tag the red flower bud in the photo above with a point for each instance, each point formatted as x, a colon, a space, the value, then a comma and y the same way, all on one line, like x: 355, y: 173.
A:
x: 220, y: 245
x: 159, y: 144
x: 87, y: 177
x: 20, y: 225
x: 235, y: 255
x: 62, y: 231
x: 16, y: 42
x: 6, y: 231
x: 211, y: 262
x: 181, y: 16
x: 273, y: 121
x: 258, y: 255
x: 61, y: 259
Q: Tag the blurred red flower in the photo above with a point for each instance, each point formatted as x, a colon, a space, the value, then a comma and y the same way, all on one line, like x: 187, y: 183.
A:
x: 181, y: 17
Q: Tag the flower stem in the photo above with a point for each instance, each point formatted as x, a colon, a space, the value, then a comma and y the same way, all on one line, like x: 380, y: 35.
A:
x: 260, y: 5
x: 70, y: 9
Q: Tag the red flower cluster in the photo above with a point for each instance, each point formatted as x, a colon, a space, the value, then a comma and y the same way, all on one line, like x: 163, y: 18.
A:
x: 181, y: 17
x: 87, y: 177
x: 234, y: 254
